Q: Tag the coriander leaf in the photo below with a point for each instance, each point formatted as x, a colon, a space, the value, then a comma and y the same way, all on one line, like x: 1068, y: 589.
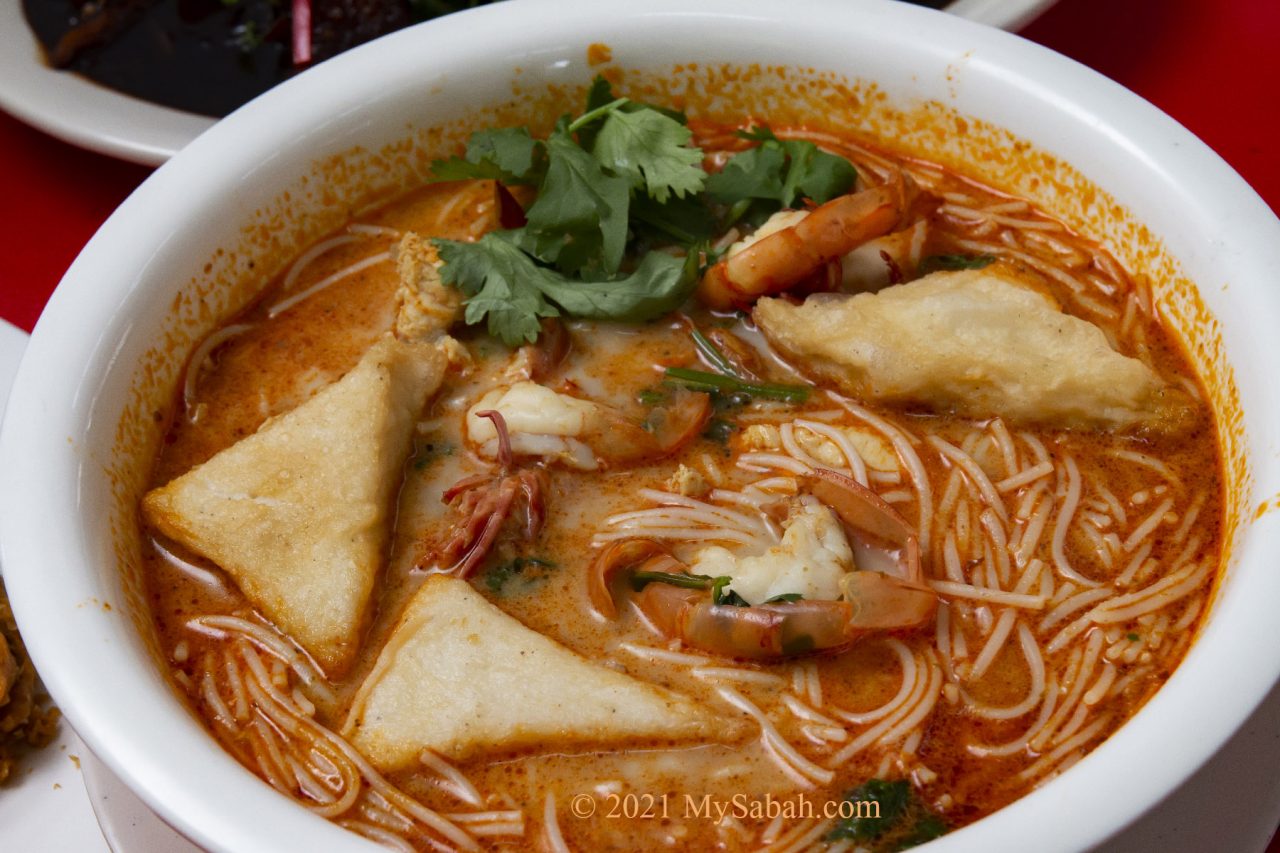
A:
x: 507, y: 154
x: 887, y: 813
x: 686, y: 221
x: 750, y: 174
x: 495, y: 276
x: 815, y: 174
x: 890, y: 801
x: 659, y: 284
x: 933, y: 263
x: 508, y: 287
x: 781, y: 171
x: 799, y: 157
x: 652, y: 151
x: 600, y: 93
x: 579, y: 221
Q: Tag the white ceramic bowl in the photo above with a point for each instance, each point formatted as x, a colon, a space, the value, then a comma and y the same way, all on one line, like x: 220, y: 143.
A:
x: 108, y: 349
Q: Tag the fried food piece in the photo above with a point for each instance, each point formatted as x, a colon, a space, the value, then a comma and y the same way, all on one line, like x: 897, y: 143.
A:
x: 27, y: 718
x: 978, y: 343
x: 427, y: 306
x: 299, y: 513
x: 461, y: 677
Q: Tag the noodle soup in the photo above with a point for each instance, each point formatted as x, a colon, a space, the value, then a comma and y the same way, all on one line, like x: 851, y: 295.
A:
x: 761, y: 566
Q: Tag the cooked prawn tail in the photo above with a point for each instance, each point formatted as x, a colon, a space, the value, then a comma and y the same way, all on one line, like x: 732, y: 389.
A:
x: 792, y: 255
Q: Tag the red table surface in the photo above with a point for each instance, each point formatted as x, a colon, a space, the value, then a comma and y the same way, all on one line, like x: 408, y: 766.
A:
x: 1213, y: 65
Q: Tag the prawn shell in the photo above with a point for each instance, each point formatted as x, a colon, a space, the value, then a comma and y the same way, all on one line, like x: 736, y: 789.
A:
x: 868, y: 515
x: 884, y: 603
x: 618, y: 441
x: 762, y: 632
x: 618, y: 556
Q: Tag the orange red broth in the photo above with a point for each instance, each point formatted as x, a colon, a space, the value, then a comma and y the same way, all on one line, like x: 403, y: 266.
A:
x: 278, y: 362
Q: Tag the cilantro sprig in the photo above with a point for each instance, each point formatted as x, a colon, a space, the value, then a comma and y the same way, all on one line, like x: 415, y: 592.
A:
x: 511, y: 292
x: 569, y: 256
x: 612, y: 185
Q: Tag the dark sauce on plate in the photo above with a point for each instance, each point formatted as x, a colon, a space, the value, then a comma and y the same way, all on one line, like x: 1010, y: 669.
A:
x: 211, y: 56
x: 206, y: 56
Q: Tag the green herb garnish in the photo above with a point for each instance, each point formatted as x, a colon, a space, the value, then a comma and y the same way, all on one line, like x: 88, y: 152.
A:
x: 934, y: 263
x: 606, y: 182
x: 776, y: 174
x: 720, y: 594
x: 887, y: 812
x: 616, y: 182
x: 507, y: 154
x: 527, y: 569
x: 712, y: 354
x: 651, y: 396
x: 701, y: 380
x: 640, y: 580
x: 728, y: 386
x: 1133, y: 638
x: 507, y: 288
x: 726, y: 599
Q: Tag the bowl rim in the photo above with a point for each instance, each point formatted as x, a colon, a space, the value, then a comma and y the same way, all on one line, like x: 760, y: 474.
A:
x: 55, y: 380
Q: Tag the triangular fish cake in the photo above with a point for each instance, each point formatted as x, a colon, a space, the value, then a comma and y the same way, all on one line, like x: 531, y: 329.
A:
x: 299, y: 512
x: 461, y: 677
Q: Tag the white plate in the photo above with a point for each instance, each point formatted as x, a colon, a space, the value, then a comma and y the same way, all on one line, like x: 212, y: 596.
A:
x: 81, y: 112
x: 127, y: 824
x: 44, y: 807
x: 78, y: 111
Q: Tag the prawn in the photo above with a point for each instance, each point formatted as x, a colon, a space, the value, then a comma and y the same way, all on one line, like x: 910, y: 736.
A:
x: 584, y: 434
x: 485, y: 503
x: 684, y: 605
x: 790, y: 255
